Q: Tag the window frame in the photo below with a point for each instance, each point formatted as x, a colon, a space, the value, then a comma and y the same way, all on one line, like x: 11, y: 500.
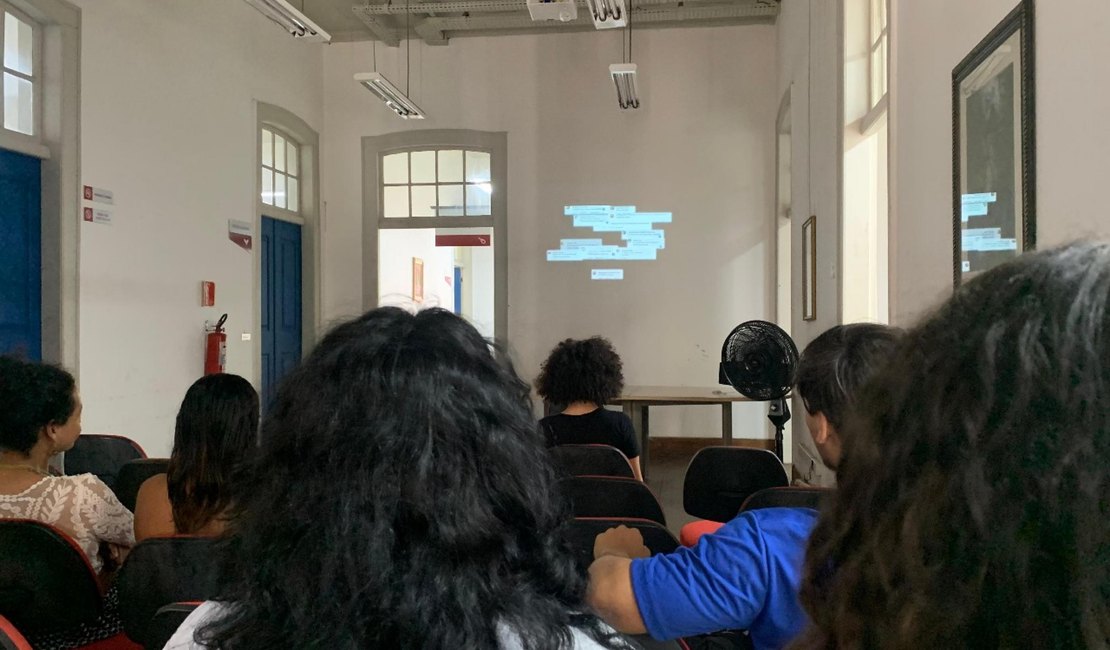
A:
x: 878, y: 81
x: 283, y: 212
x: 33, y: 143
x: 467, y: 220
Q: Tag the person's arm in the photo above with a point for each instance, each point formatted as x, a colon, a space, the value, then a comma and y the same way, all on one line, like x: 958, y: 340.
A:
x: 630, y: 445
x: 636, y: 471
x: 610, y: 583
x: 112, y: 523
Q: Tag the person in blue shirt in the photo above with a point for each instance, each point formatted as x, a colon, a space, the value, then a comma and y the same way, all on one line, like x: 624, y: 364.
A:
x: 746, y: 575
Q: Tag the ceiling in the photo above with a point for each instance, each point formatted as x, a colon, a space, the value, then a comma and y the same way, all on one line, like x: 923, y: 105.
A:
x: 437, y: 21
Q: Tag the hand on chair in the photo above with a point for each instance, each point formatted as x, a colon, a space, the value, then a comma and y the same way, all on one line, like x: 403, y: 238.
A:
x: 621, y: 541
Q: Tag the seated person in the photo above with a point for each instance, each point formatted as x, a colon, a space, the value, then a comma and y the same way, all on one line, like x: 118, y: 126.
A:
x: 973, y: 502
x: 40, y: 416
x: 401, y: 498
x: 582, y: 377
x: 745, y: 575
x: 217, y: 428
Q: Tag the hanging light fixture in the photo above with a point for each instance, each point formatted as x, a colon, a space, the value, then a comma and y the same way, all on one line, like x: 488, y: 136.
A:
x: 608, y: 14
x: 291, y: 20
x: 624, y: 74
x: 383, y: 88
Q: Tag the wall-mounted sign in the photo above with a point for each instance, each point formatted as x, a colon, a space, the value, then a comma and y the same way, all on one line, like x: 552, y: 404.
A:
x: 239, y: 232
x: 92, y: 215
x: 99, y: 195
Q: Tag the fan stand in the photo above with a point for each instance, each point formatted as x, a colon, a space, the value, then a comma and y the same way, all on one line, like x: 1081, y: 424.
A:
x: 779, y: 414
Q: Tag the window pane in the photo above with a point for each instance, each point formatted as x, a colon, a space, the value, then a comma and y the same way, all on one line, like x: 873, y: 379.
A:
x: 396, y: 200
x: 279, y: 190
x: 478, y: 199
x: 19, y: 105
x: 423, y: 167
x: 293, y: 152
x: 292, y: 200
x: 424, y: 201
x: 267, y: 187
x: 451, y: 166
x: 477, y: 167
x: 395, y: 169
x: 279, y: 153
x: 450, y: 200
x: 267, y: 148
x: 17, y: 45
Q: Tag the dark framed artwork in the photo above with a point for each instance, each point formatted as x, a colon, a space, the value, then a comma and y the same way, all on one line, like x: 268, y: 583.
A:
x: 993, y: 149
x: 809, y: 269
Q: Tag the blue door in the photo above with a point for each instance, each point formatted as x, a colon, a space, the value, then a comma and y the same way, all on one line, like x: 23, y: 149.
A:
x: 281, y: 302
x: 20, y: 255
x: 458, y: 290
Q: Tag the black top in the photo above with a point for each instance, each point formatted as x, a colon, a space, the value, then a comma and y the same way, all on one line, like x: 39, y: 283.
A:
x: 600, y: 427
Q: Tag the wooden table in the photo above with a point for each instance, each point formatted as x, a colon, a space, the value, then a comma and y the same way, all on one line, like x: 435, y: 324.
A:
x: 637, y: 399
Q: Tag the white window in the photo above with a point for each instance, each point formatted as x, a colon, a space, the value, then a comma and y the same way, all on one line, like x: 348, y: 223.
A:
x: 436, y: 183
x: 880, y: 51
x: 281, y: 170
x: 21, y: 71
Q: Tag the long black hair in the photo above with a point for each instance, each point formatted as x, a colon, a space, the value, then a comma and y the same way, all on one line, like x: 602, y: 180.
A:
x: 974, y: 501
x: 217, y: 427
x: 32, y: 395
x: 402, y: 498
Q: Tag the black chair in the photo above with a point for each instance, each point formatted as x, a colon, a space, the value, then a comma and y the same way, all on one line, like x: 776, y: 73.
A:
x: 46, y: 582
x: 719, y: 480
x: 11, y: 638
x: 582, y: 531
x: 102, y: 455
x: 788, y: 497
x: 591, y: 460
x: 166, y: 621
x: 132, y: 476
x: 161, y: 571
x: 607, y: 496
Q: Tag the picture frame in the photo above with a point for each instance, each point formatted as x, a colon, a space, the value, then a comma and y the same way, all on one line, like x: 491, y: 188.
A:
x: 417, y: 280
x: 994, y: 148
x: 809, y: 269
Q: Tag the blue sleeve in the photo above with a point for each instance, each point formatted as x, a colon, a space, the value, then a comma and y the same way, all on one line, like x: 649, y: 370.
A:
x: 719, y: 584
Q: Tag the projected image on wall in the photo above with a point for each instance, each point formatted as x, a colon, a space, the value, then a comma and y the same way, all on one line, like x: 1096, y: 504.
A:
x: 639, y: 239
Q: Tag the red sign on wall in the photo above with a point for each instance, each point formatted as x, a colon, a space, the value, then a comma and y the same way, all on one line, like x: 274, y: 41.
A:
x: 207, y: 294
x: 462, y: 240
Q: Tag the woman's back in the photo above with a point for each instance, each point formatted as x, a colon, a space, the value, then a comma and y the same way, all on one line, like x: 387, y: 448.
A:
x: 154, y: 513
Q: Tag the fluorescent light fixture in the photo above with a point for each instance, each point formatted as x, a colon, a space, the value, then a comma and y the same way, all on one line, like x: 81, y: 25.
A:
x: 291, y: 20
x: 396, y: 100
x: 562, y: 10
x: 624, y: 76
x: 608, y: 14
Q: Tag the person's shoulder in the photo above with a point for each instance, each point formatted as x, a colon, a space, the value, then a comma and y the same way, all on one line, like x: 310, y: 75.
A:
x: 615, y: 417
x: 84, y: 481
x: 183, y: 638
x: 778, y: 521
x: 155, y: 485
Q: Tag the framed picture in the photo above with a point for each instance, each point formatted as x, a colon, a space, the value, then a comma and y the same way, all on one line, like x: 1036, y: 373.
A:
x: 417, y: 280
x: 809, y: 269
x: 993, y: 149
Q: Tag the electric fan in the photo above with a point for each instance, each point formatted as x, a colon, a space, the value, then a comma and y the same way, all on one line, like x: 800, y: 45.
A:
x: 758, y: 359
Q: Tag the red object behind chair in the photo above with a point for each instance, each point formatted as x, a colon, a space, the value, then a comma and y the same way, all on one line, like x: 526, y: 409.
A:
x: 693, y: 531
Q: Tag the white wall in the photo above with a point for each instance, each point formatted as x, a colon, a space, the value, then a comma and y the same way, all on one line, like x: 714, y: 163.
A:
x: 809, y: 68
x: 1073, y: 145
x: 397, y: 248
x: 169, y: 124
x: 702, y: 147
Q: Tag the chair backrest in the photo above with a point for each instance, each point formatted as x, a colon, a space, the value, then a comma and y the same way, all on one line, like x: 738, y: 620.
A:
x: 582, y: 531
x: 591, y: 460
x: 11, y: 638
x: 166, y: 621
x: 608, y: 496
x: 102, y: 455
x: 720, y: 479
x: 46, y: 582
x: 161, y: 571
x: 788, y: 497
x: 132, y: 476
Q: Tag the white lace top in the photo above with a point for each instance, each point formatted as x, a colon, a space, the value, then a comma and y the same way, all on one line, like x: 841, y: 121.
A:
x: 82, y: 506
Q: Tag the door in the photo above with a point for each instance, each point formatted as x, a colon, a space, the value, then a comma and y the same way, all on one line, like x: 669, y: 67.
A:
x: 281, y: 302
x: 20, y: 262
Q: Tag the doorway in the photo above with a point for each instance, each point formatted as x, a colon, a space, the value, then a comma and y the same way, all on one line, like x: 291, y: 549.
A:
x: 21, y: 263
x: 281, y: 302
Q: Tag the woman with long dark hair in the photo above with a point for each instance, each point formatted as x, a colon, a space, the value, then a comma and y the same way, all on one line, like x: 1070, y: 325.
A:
x: 402, y: 498
x: 974, y: 501
x: 217, y: 428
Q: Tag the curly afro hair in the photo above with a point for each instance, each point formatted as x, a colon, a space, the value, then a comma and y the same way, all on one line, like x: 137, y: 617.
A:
x: 581, y: 371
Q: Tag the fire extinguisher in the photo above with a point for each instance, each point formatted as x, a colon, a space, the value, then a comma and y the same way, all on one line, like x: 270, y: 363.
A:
x: 215, y: 351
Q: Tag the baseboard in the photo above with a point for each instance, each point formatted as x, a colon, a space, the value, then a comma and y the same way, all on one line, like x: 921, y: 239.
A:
x: 690, y: 446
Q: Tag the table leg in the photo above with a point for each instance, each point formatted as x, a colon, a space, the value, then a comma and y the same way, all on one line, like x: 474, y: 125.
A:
x: 638, y: 413
x: 726, y: 423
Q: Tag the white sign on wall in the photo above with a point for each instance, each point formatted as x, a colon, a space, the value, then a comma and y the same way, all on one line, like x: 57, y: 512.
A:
x: 99, y: 195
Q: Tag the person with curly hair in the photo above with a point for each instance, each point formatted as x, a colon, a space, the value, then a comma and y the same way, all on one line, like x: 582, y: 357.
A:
x: 581, y: 377
x: 401, y: 498
x: 974, y: 500
x: 746, y: 575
